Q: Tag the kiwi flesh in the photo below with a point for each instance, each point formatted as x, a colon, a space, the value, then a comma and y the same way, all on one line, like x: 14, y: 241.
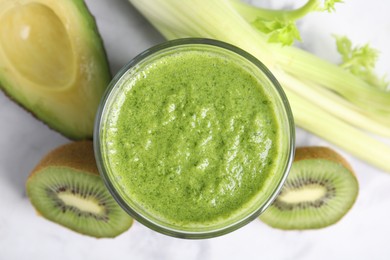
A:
x: 319, y: 191
x: 65, y: 187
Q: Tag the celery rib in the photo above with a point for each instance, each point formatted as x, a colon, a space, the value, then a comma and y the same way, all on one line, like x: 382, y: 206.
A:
x: 333, y: 104
x: 307, y: 66
x: 310, y: 117
x: 251, y: 13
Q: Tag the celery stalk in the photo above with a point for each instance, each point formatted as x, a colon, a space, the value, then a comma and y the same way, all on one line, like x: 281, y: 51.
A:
x: 340, y: 104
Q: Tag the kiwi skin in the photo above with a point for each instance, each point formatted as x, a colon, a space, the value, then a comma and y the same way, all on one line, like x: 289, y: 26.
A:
x: 321, y: 152
x: 77, y: 156
x: 317, y: 153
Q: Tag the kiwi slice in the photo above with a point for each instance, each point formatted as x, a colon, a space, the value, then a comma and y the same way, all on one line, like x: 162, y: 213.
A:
x: 65, y: 187
x: 319, y: 191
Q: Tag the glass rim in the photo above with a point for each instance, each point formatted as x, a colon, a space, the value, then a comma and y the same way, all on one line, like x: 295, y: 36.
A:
x: 150, y: 223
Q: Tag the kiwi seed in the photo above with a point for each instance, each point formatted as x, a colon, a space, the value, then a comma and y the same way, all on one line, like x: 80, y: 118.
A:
x: 319, y: 191
x: 65, y: 187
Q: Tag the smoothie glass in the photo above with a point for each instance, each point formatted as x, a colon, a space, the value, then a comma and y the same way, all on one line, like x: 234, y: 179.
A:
x: 109, y: 109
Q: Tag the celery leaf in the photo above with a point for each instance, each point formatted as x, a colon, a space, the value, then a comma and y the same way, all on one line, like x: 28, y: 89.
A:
x: 329, y: 5
x: 360, y: 61
x: 284, y: 32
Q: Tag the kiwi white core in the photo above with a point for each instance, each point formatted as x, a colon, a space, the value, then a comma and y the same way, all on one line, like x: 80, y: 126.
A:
x: 84, y: 204
x: 307, y: 193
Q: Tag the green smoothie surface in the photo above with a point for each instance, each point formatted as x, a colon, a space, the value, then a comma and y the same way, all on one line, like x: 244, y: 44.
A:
x: 191, y: 138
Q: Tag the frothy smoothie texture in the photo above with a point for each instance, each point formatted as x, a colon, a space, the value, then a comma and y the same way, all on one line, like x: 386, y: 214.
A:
x: 194, y: 138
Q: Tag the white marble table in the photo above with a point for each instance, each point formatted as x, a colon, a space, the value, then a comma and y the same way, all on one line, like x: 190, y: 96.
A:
x: 362, y: 234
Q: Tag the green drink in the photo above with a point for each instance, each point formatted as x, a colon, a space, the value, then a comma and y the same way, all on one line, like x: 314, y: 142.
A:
x: 194, y: 139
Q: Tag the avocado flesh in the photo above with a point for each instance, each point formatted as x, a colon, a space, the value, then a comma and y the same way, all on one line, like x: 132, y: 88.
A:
x: 53, y: 63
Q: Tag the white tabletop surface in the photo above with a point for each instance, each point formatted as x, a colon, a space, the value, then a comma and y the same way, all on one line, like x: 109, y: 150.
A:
x: 362, y: 234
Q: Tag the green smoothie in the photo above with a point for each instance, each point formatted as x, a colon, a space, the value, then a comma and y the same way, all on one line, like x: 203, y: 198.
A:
x: 192, y: 139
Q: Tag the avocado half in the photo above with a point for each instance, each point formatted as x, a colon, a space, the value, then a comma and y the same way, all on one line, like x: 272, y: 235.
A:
x: 53, y: 63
